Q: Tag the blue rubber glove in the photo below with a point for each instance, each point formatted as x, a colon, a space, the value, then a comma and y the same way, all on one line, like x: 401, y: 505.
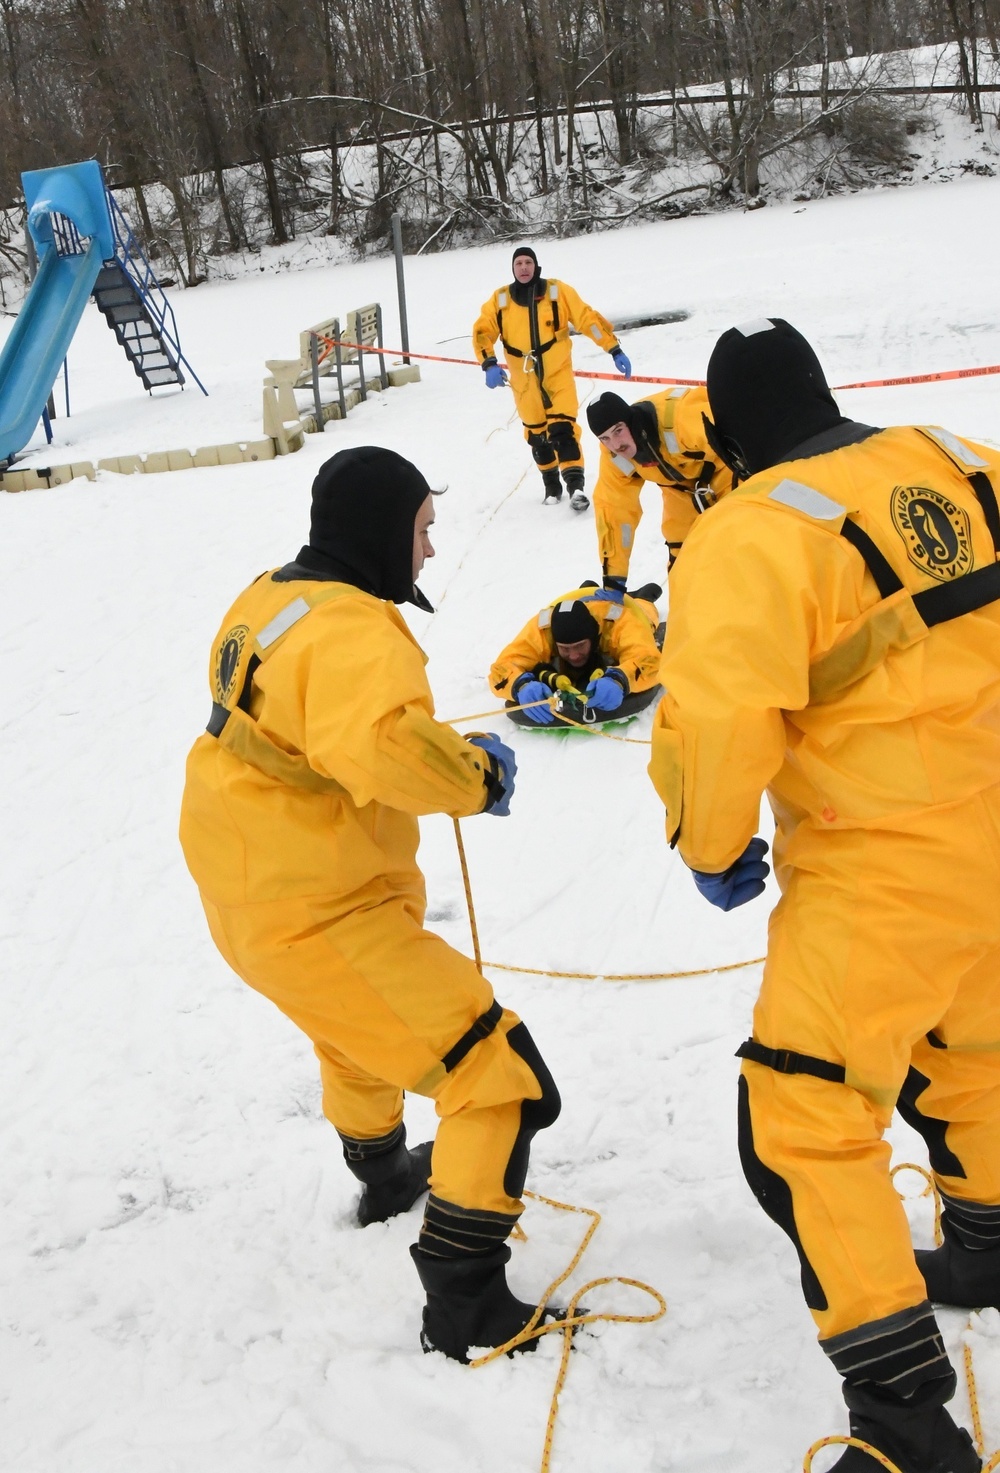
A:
x: 742, y: 881
x: 614, y: 588
x: 495, y: 376
x: 621, y: 362
x: 606, y: 693
x: 534, y: 690
x: 506, y: 769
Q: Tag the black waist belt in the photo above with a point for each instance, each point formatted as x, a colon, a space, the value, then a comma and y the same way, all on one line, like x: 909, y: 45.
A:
x: 787, y: 1061
x: 481, y: 1028
x: 532, y: 352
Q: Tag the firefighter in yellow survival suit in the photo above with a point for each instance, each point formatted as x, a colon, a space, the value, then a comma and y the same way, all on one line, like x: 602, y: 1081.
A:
x: 593, y: 645
x: 532, y: 318
x: 659, y: 439
x: 834, y: 637
x: 299, y: 825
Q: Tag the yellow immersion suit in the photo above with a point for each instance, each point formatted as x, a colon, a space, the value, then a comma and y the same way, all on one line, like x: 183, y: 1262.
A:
x: 299, y: 825
x: 833, y: 637
x: 627, y: 641
x: 540, y: 363
x: 676, y: 456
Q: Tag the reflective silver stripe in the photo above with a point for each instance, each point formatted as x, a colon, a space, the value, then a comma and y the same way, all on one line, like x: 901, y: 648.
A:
x: 677, y: 393
x: 622, y: 464
x: 290, y: 614
x: 671, y: 441
x: 957, y: 447
x: 553, y: 291
x: 754, y: 326
x: 595, y: 332
x: 566, y: 606
x: 806, y: 499
x: 545, y: 619
x: 615, y: 611
x: 626, y: 535
x: 501, y: 299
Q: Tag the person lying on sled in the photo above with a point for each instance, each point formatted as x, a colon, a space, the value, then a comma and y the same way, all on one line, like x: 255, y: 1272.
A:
x: 593, y: 648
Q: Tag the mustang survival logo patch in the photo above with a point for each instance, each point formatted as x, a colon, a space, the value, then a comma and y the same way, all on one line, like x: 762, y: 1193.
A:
x: 937, y: 533
x: 227, y: 662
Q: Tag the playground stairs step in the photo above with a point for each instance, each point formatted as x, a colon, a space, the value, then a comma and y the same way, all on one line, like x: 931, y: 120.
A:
x: 121, y: 301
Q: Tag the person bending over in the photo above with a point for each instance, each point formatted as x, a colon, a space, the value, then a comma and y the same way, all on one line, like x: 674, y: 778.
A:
x: 662, y: 440
x: 299, y: 824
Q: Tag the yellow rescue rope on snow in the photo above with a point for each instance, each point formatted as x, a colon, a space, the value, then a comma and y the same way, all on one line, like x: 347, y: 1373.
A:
x: 592, y: 727
x: 468, y: 896
x: 930, y: 1190
x: 533, y: 1330
x: 626, y: 976
x: 573, y: 976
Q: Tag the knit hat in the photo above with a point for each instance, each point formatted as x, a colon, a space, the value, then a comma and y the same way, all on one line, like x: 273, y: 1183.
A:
x: 610, y: 409
x: 364, y: 505
x: 767, y: 391
x: 573, y: 621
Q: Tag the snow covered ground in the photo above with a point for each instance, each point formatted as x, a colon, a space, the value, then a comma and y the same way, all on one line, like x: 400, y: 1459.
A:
x: 183, y: 1287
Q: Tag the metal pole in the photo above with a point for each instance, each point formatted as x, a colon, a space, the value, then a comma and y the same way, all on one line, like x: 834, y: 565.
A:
x: 397, y: 248
x: 340, y: 368
x: 314, y: 365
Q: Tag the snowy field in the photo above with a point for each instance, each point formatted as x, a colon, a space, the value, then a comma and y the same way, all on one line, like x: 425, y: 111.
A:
x: 184, y: 1290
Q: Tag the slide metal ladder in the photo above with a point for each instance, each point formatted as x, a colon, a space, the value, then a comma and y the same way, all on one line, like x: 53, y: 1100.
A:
x: 136, y: 308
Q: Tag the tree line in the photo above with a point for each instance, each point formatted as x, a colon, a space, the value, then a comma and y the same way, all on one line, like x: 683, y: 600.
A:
x: 224, y: 108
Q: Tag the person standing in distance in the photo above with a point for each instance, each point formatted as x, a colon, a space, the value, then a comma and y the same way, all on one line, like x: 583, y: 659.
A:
x: 834, y: 638
x: 532, y: 318
x: 299, y: 826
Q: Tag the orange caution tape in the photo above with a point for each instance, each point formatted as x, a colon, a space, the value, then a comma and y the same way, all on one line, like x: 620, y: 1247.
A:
x: 690, y: 383
x: 921, y: 378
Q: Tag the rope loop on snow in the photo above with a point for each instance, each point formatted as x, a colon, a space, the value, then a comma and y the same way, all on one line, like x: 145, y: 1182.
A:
x: 573, y: 976
x: 865, y: 1447
x: 754, y: 961
x: 594, y: 729
x: 930, y: 1190
x: 574, y: 1318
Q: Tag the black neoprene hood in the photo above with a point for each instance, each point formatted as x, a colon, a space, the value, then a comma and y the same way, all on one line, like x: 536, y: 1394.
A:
x: 364, y: 505
x: 573, y: 622
x: 767, y: 391
x: 610, y: 409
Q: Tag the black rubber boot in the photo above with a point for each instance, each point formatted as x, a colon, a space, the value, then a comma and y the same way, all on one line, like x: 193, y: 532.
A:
x: 918, y: 1435
x: 553, y: 487
x: 649, y: 591
x: 578, y: 498
x: 963, y: 1277
x: 403, y: 1181
x: 469, y: 1303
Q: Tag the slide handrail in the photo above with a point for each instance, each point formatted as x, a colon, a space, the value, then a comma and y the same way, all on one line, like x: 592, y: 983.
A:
x: 136, y: 266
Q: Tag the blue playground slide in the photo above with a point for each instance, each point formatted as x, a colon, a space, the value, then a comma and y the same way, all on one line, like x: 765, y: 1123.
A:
x: 71, y: 229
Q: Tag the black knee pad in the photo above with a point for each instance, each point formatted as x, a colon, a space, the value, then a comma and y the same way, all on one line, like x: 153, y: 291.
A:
x: 775, y: 1196
x: 542, y: 453
x: 563, y: 440
x: 535, y: 1114
x: 942, y: 1158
